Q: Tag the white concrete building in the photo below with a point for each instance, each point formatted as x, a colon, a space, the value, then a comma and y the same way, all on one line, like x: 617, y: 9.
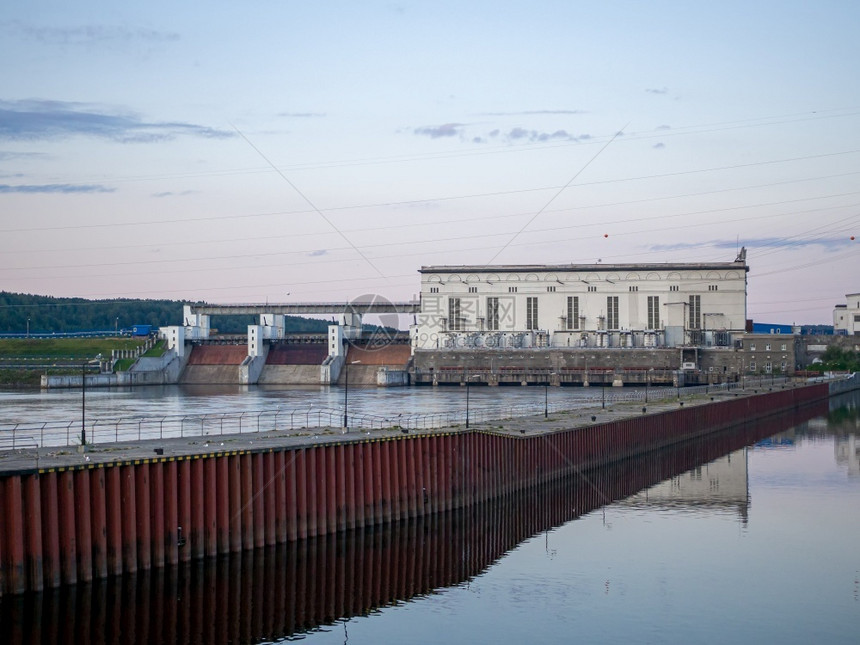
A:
x: 846, y: 318
x: 594, y: 305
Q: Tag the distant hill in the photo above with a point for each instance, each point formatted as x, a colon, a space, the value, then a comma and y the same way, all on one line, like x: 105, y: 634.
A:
x: 62, y: 315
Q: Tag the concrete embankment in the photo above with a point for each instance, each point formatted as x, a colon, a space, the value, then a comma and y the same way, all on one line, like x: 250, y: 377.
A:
x: 123, y: 508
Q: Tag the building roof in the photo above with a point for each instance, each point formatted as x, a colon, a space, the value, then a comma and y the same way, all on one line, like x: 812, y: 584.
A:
x: 543, y: 268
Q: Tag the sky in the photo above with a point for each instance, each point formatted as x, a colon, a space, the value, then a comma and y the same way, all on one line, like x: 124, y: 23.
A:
x: 302, y: 152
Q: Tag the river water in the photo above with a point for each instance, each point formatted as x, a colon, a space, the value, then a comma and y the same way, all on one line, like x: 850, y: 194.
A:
x: 30, y: 406
x: 748, y: 537
x: 54, y: 417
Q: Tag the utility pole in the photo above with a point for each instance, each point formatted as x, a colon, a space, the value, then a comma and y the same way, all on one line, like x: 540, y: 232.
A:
x: 83, y: 405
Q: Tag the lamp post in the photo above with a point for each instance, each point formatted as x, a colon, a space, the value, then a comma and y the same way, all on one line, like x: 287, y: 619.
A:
x: 28, y: 327
x: 116, y: 326
x: 546, y: 396
x: 346, y: 397
x: 546, y: 399
x: 83, y: 404
x: 468, y: 381
x: 603, y: 389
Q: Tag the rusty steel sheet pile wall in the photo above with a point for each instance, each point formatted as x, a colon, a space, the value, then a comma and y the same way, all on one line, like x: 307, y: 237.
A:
x: 62, y: 526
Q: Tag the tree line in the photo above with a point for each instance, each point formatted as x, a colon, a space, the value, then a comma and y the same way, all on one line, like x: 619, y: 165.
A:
x: 21, y: 313
x: 837, y: 359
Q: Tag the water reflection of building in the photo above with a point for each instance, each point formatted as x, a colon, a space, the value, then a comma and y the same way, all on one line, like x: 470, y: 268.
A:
x: 719, y: 484
x: 848, y: 454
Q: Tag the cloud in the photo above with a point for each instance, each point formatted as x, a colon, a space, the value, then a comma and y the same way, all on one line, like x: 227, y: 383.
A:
x: 659, y: 146
x: 302, y: 115
x: 424, y: 205
x: 440, y: 131
x: 652, y: 90
x: 87, y: 34
x: 170, y: 193
x: 533, y: 112
x: 318, y: 253
x: 34, y: 119
x: 55, y: 188
x: 757, y: 243
x: 680, y: 246
x: 663, y: 127
x: 8, y: 155
x: 519, y: 134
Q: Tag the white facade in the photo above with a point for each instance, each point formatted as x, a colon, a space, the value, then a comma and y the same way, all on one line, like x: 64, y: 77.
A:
x: 596, y: 305
x: 272, y: 325
x: 175, y: 337
x: 846, y: 318
x: 196, y: 325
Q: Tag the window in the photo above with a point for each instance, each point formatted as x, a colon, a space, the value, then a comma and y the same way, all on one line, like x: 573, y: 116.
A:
x: 767, y: 368
x: 673, y: 287
x: 434, y: 289
x: 783, y: 347
x: 767, y: 347
x: 592, y: 289
x: 551, y: 289
x: 713, y: 287
x: 573, y: 312
x: 782, y: 366
x: 512, y: 289
x: 752, y: 347
x: 695, y: 312
x: 473, y: 289
x: 493, y: 314
x: 531, y: 313
x: 455, y: 323
x: 752, y: 366
x: 653, y: 312
x: 612, y: 312
x: 634, y: 288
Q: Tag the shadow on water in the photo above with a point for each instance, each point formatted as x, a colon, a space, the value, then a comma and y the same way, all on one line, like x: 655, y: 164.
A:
x: 294, y: 588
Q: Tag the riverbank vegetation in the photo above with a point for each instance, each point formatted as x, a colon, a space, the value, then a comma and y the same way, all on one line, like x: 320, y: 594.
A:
x: 836, y: 359
x: 63, y: 348
x: 24, y: 360
x: 24, y: 313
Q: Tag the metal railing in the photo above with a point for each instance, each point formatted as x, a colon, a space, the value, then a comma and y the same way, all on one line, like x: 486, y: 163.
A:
x: 138, y: 428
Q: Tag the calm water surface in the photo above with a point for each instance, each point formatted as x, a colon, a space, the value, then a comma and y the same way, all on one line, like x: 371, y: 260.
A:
x: 760, y: 547
x: 755, y: 544
x: 32, y: 406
